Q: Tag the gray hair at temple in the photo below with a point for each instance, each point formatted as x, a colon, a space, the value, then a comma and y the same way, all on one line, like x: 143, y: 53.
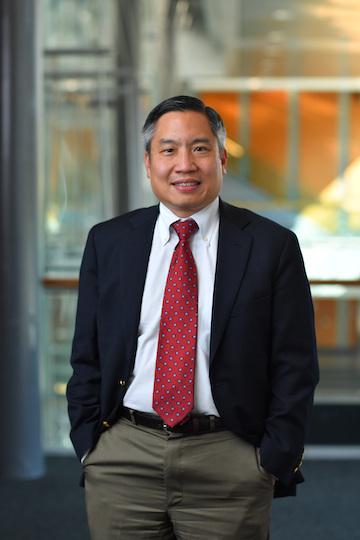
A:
x: 183, y: 103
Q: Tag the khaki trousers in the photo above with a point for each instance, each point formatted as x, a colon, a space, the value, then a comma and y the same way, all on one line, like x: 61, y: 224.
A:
x: 144, y: 483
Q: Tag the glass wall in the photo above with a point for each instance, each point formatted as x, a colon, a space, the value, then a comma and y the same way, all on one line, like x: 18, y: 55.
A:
x: 284, y: 75
x: 79, y: 130
x: 89, y: 103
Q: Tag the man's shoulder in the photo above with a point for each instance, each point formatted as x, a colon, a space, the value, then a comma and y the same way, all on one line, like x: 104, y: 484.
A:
x: 124, y: 221
x: 253, y: 222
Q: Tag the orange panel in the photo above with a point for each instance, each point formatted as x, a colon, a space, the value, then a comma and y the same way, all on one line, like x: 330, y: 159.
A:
x: 227, y: 104
x: 318, y: 146
x: 268, y: 141
x: 325, y: 320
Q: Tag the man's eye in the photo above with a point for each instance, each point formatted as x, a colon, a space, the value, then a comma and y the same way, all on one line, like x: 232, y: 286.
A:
x: 167, y: 151
x: 200, y: 149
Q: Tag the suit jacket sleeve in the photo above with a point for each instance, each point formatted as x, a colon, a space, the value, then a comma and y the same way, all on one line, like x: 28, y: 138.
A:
x: 83, y: 390
x: 293, y: 369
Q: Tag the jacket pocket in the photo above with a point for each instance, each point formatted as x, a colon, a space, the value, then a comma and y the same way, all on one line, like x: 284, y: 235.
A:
x: 261, y: 469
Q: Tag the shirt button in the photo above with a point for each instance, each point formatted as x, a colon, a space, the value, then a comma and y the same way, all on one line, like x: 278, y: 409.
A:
x: 105, y: 424
x: 121, y: 382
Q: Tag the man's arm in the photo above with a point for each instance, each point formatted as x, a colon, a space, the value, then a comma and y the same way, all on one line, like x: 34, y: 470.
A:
x: 293, y: 369
x: 83, y: 390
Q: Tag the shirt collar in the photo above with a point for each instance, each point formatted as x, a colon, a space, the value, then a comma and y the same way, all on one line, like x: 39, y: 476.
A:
x: 207, y: 219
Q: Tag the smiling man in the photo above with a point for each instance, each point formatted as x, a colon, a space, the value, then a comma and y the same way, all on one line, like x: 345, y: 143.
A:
x: 194, y: 356
x: 185, y: 162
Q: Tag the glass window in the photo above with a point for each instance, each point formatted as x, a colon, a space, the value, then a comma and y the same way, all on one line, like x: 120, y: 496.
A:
x: 87, y: 131
x: 79, y: 141
x: 78, y: 23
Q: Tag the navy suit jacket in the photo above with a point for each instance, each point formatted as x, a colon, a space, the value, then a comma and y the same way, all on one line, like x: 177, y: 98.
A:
x: 263, y: 362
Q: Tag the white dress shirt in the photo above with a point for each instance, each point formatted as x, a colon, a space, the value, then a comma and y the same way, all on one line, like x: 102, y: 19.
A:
x: 203, y: 245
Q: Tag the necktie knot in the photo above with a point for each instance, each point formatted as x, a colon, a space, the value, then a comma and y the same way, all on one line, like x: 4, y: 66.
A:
x: 185, y: 229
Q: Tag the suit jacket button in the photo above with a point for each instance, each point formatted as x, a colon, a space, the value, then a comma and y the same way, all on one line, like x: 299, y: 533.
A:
x: 105, y: 424
x: 121, y: 382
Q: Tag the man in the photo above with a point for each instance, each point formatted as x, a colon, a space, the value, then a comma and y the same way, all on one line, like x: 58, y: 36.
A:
x: 194, y: 352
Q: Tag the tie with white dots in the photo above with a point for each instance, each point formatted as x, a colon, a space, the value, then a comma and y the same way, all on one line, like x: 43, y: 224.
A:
x: 173, y: 397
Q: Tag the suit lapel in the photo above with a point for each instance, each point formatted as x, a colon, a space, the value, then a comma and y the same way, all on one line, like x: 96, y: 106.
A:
x: 233, y: 253
x: 137, y: 252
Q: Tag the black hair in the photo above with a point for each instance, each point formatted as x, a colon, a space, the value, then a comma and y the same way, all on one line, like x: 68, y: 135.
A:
x: 183, y: 103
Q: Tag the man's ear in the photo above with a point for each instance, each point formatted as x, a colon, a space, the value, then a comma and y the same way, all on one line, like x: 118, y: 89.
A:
x: 147, y: 163
x: 224, y: 160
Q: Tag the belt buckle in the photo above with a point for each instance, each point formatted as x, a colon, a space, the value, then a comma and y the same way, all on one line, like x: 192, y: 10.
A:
x: 167, y: 429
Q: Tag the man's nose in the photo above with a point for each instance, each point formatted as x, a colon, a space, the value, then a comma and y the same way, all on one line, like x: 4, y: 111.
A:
x: 185, y: 161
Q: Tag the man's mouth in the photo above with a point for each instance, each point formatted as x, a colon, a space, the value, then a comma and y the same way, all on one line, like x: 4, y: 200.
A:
x: 186, y: 186
x: 185, y: 183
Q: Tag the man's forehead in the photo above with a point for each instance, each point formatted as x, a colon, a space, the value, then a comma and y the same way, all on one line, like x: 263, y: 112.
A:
x: 170, y: 125
x: 187, y: 116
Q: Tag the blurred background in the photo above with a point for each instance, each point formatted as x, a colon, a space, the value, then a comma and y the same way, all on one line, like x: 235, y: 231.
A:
x: 77, y: 80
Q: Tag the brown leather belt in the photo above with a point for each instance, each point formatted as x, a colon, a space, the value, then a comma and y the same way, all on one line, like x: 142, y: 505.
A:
x: 196, y: 424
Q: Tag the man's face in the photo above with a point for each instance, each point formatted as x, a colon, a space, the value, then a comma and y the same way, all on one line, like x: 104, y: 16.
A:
x: 185, y: 165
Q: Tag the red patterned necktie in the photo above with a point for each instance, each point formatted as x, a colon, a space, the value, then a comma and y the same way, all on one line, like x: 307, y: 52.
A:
x: 173, y: 397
